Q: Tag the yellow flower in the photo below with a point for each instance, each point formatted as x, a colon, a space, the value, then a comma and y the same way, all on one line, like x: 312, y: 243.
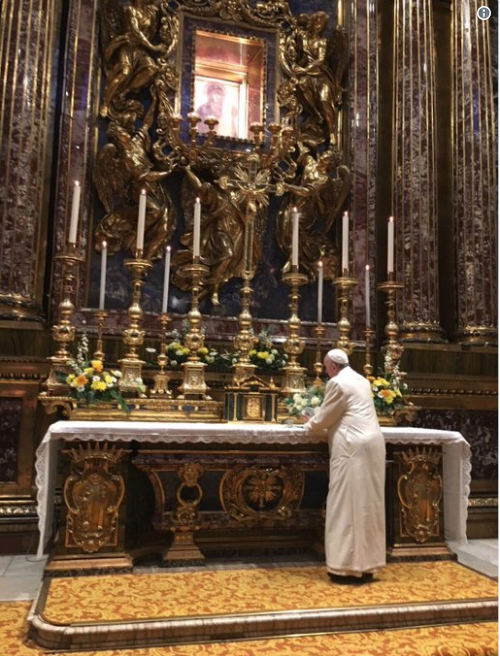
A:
x: 203, y: 350
x: 381, y: 382
x: 263, y: 355
x: 185, y: 351
x: 388, y: 395
x: 97, y: 364
x: 252, y: 352
x: 99, y: 385
x: 108, y: 379
x: 70, y: 379
x: 175, y: 345
x: 88, y: 371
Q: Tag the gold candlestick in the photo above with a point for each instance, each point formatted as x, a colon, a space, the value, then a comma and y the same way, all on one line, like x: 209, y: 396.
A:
x: 293, y: 373
x: 162, y: 378
x: 243, y: 341
x: 133, y: 336
x: 392, y: 349
x: 193, y: 384
x: 63, y: 332
x: 367, y: 367
x: 319, y: 329
x: 345, y: 285
x: 100, y: 316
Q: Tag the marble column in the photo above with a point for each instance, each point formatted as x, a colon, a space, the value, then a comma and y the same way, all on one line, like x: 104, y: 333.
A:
x: 415, y: 171
x: 360, y: 19
x: 474, y: 176
x: 28, y: 51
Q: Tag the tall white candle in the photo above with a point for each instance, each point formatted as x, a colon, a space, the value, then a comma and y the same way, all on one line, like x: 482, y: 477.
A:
x: 320, y: 292
x: 345, y: 242
x: 367, y: 293
x: 295, y: 237
x: 102, y: 288
x: 141, y: 220
x: 166, y: 280
x: 75, y: 209
x: 390, y: 245
x: 196, y: 227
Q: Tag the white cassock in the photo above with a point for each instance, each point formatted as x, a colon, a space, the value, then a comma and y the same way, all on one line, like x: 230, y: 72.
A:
x: 355, y: 508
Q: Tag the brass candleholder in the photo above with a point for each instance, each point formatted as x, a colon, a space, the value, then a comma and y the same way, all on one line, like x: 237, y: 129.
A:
x: 345, y: 285
x: 101, y: 317
x: 162, y: 378
x: 319, y: 329
x: 243, y: 341
x: 193, y: 384
x: 64, y: 332
x: 392, y: 349
x: 293, y: 373
x: 133, y: 336
x: 367, y: 367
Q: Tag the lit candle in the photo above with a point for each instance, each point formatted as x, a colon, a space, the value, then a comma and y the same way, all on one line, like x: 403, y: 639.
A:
x: 141, y: 221
x: 102, y: 289
x: 367, y: 293
x: 75, y: 208
x: 390, y: 246
x: 345, y: 242
x: 166, y: 279
x: 196, y: 228
x: 295, y: 237
x: 320, y: 292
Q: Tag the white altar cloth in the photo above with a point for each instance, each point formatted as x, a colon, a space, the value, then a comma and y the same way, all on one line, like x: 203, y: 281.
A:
x: 456, y: 455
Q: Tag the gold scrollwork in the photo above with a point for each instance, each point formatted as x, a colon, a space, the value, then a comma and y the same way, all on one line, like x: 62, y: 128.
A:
x: 261, y: 492
x: 420, y: 489
x: 93, y: 493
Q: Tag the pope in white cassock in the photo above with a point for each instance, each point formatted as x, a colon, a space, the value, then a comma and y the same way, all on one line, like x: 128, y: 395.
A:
x: 355, y: 509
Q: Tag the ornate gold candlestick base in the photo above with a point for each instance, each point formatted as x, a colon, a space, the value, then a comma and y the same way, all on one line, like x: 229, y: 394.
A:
x: 162, y: 378
x: 318, y: 365
x: 367, y: 367
x: 101, y: 317
x: 392, y: 349
x: 193, y: 384
x: 293, y: 374
x: 64, y: 331
x: 243, y: 341
x: 345, y: 285
x: 133, y: 336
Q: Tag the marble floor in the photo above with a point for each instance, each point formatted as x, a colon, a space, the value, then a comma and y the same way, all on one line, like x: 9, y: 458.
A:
x: 20, y: 576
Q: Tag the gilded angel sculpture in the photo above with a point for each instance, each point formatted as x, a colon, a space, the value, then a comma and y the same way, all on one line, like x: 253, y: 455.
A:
x: 123, y: 169
x: 127, y: 35
x: 318, y: 197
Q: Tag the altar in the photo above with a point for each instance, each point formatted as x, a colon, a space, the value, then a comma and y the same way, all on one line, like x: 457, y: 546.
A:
x: 256, y: 476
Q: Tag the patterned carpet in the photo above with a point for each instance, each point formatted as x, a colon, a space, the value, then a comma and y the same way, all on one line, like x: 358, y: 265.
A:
x: 97, y: 611
x: 458, y: 640
x: 198, y: 593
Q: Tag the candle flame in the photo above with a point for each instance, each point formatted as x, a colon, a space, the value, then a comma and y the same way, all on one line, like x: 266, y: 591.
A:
x: 391, y: 219
x: 104, y: 244
x: 320, y: 264
x: 77, y: 183
x: 143, y: 192
x: 367, y: 267
x: 197, y: 199
x: 169, y: 248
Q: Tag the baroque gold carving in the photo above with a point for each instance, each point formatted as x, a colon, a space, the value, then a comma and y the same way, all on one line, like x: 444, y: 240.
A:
x: 141, y: 47
x: 93, y: 493
x: 261, y: 492
x: 420, y: 489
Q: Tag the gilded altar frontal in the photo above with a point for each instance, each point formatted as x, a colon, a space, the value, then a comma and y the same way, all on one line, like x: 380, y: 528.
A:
x: 201, y: 198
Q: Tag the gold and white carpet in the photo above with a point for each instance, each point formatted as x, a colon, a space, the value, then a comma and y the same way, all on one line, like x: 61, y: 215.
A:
x: 177, y: 608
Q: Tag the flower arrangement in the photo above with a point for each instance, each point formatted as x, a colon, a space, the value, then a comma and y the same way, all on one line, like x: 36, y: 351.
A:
x: 306, y: 403
x: 263, y: 354
x: 388, y: 391
x: 90, y: 382
x: 178, y: 353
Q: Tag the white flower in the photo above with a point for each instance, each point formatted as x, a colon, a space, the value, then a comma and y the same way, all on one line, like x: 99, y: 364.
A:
x: 315, y: 401
x: 269, y: 360
x: 297, y: 397
x: 95, y: 379
x: 173, y: 363
x: 274, y: 352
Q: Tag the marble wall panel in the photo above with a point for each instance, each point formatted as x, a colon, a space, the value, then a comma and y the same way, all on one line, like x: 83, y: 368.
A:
x: 414, y: 171
x: 27, y: 60
x: 474, y: 176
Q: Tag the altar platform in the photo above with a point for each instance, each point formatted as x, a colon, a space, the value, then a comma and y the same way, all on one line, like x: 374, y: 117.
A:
x: 270, y: 604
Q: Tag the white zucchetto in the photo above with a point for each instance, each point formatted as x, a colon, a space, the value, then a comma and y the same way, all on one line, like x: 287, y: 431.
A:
x: 338, y: 356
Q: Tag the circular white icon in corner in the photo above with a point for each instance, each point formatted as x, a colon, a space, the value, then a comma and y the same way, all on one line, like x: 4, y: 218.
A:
x: 483, y: 13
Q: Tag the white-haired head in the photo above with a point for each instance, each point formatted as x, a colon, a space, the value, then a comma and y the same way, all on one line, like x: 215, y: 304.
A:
x: 338, y: 356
